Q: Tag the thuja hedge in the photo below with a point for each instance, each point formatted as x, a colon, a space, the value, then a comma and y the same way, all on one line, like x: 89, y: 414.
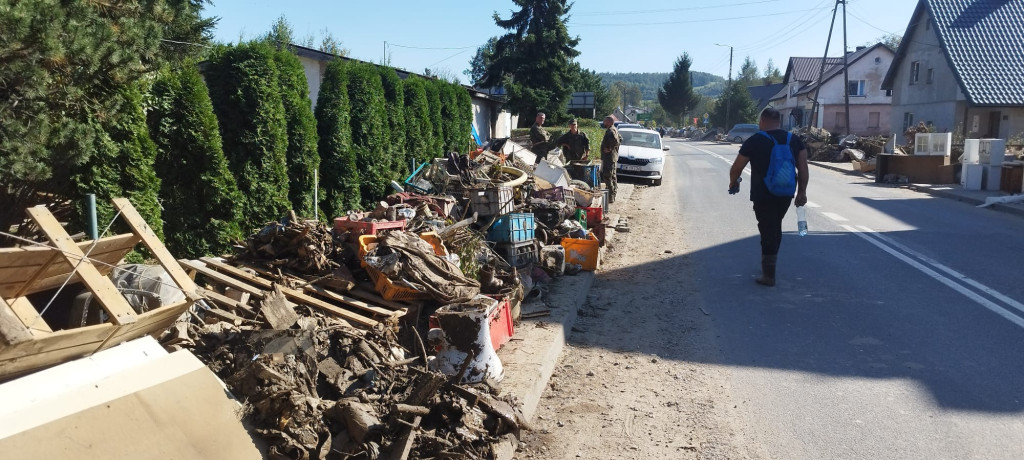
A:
x: 301, y: 155
x: 339, y: 177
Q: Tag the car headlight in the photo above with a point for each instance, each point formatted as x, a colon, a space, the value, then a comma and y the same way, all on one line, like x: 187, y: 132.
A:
x: 657, y: 161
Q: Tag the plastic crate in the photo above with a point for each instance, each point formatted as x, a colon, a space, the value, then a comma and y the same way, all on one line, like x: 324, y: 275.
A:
x: 551, y: 194
x: 594, y: 215
x: 502, y: 325
x: 589, y: 173
x: 584, y: 252
x: 358, y: 227
x: 492, y: 201
x: 518, y: 255
x: 512, y: 228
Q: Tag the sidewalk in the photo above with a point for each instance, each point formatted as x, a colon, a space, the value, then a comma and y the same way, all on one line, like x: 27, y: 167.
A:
x: 530, y: 357
x: 951, y: 191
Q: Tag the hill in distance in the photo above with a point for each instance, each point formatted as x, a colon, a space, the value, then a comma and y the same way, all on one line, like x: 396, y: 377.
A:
x: 704, y: 83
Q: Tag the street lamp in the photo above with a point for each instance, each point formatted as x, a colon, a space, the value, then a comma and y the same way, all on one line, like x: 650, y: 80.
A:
x: 728, y: 102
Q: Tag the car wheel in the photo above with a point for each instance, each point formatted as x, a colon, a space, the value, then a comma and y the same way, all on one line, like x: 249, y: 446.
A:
x: 656, y: 182
x: 738, y: 140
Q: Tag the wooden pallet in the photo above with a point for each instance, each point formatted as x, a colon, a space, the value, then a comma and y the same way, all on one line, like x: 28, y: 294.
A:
x: 366, y: 310
x: 27, y: 342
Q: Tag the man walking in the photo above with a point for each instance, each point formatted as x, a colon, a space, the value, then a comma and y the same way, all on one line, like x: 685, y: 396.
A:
x: 576, y: 144
x: 610, y: 156
x: 769, y: 209
x: 539, y: 137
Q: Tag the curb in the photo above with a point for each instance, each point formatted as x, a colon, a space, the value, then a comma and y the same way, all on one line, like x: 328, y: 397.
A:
x: 922, y: 188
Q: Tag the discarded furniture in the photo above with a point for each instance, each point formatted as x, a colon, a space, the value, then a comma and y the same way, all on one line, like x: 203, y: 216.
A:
x: 29, y: 343
x: 921, y: 169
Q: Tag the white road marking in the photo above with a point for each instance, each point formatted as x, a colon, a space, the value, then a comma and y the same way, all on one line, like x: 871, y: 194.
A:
x: 955, y: 274
x: 745, y: 170
x: 834, y: 216
x: 877, y: 241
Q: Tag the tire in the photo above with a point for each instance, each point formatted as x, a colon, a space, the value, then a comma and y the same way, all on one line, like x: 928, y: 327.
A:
x: 656, y: 182
x: 738, y: 140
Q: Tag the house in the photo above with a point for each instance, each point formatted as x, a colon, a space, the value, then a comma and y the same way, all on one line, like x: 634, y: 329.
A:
x: 490, y: 120
x: 870, y: 105
x: 763, y: 94
x: 960, y: 68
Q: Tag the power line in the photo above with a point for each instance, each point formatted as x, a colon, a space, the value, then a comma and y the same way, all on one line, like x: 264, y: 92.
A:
x: 690, y: 21
x: 431, y: 48
x: 668, y: 10
x: 445, y: 59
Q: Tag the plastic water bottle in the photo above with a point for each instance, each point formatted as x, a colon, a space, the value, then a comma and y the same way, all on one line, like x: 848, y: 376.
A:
x: 801, y: 221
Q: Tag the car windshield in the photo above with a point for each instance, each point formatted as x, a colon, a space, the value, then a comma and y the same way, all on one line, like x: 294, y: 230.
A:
x: 637, y: 139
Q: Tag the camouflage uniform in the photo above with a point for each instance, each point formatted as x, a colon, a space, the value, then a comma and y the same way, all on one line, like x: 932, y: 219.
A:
x: 578, y: 145
x: 539, y: 137
x: 609, y: 157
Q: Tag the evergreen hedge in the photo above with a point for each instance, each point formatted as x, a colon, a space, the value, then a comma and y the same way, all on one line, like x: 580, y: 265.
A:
x: 464, y: 128
x: 369, y: 131
x: 419, y: 129
x: 301, y: 155
x: 436, y: 146
x: 198, y: 192
x: 338, y: 174
x: 394, y: 98
x: 244, y: 88
x: 450, y: 115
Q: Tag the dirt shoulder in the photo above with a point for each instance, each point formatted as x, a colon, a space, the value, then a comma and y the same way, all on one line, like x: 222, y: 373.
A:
x: 634, y: 380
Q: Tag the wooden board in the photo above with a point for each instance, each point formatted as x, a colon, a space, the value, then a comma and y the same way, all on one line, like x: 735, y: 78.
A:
x: 26, y: 271
x: 12, y: 330
x: 24, y: 310
x: 104, y: 291
x: 159, y: 251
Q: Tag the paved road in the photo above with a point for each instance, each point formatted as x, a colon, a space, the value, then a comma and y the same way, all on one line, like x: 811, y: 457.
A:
x: 896, y: 329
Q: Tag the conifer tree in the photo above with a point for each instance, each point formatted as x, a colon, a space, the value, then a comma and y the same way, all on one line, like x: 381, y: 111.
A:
x: 418, y: 126
x: 369, y: 126
x: 339, y: 176
x: 245, y: 91
x: 198, y: 192
x: 301, y: 156
x: 436, y: 146
x: 676, y: 96
x: 394, y: 99
x: 464, y: 129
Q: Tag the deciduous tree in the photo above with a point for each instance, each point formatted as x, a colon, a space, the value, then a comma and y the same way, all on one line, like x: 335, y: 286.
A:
x: 741, y: 107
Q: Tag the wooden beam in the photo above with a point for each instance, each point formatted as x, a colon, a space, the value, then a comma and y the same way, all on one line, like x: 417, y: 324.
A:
x: 12, y: 331
x: 268, y: 284
x: 35, y: 276
x: 159, y: 251
x: 226, y: 301
x: 28, y: 315
x: 106, y: 293
x: 220, y: 278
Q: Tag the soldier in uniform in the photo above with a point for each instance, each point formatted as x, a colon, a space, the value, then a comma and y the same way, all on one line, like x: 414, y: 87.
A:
x: 576, y: 144
x: 610, y: 156
x: 539, y: 137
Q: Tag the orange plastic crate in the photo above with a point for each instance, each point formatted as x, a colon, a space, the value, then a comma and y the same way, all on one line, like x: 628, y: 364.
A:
x: 584, y: 252
x: 384, y: 286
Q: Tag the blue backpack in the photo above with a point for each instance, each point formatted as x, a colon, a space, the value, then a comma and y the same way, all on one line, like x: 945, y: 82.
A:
x: 781, y: 175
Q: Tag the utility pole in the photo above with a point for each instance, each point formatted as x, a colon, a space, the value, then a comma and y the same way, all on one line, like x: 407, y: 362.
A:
x: 728, y: 100
x: 821, y: 73
x: 385, y: 58
x: 846, y: 69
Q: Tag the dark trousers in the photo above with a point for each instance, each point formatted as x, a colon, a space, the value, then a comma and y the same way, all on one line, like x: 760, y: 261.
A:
x: 769, y: 213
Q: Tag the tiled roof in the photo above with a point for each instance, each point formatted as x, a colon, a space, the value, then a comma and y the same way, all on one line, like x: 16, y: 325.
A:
x: 762, y: 94
x: 984, y: 43
x: 832, y: 71
x: 808, y: 68
x: 984, y: 40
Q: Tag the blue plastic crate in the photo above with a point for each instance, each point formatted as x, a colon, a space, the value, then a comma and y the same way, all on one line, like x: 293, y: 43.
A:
x: 589, y: 173
x: 512, y: 228
x: 518, y: 255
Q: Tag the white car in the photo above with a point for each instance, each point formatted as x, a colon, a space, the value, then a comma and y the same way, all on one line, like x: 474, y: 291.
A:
x: 641, y: 155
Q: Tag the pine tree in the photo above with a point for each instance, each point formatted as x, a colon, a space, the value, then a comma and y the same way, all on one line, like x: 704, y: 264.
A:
x: 533, y: 60
x: 243, y: 82
x: 677, y: 96
x: 369, y: 136
x: 199, y: 195
x: 301, y: 156
x: 339, y: 176
x: 418, y: 125
x: 736, y: 98
x: 394, y: 98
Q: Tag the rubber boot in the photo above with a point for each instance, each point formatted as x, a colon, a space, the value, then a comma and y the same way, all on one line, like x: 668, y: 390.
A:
x: 767, y: 270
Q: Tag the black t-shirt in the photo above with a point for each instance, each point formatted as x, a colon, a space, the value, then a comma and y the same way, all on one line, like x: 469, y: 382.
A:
x: 758, y: 149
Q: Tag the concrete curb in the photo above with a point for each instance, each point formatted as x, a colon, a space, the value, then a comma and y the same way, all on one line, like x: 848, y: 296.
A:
x: 925, y: 188
x: 530, y: 358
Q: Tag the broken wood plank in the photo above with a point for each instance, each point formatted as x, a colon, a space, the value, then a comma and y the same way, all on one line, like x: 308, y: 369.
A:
x: 221, y: 278
x: 225, y: 301
x: 225, y: 316
x: 159, y: 251
x: 279, y: 312
x: 12, y: 331
x: 375, y: 298
x: 403, y: 446
x: 266, y: 284
x: 102, y: 288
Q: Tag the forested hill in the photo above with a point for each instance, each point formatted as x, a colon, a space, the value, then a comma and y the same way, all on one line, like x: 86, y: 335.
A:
x: 649, y: 82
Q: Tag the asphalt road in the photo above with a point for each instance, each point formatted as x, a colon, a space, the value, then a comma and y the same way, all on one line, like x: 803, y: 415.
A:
x: 896, y: 330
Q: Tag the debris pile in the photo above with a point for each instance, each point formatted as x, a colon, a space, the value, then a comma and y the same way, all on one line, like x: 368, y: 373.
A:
x: 823, y: 146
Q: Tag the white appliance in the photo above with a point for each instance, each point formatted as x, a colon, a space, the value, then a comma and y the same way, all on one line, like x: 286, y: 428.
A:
x: 993, y: 177
x: 971, y: 176
x: 991, y: 151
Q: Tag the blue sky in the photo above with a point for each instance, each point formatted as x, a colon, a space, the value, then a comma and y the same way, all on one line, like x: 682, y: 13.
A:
x: 615, y: 36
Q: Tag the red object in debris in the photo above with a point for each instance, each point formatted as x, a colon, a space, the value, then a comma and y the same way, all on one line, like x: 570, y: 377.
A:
x: 594, y: 216
x: 358, y: 227
x: 501, y: 324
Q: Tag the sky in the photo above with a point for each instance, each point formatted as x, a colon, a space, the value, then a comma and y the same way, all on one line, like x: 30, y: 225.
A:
x: 615, y: 36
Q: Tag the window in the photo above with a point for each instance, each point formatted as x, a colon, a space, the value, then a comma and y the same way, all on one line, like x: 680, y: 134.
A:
x: 908, y: 120
x: 888, y: 93
x: 793, y: 89
x: 856, y: 88
x: 915, y: 71
x: 931, y: 76
x: 873, y: 119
